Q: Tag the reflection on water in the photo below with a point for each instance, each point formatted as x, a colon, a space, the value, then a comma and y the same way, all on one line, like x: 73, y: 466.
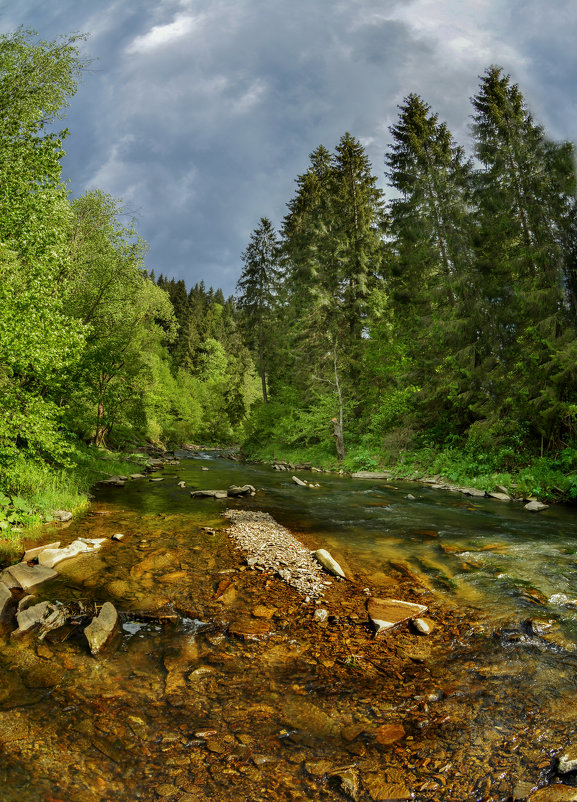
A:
x: 181, y: 710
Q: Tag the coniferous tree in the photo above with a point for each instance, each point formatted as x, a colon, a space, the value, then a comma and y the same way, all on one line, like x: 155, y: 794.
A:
x: 430, y: 286
x: 258, y: 292
x: 525, y: 198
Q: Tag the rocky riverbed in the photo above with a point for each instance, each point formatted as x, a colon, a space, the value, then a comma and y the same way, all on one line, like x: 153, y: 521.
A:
x: 250, y: 693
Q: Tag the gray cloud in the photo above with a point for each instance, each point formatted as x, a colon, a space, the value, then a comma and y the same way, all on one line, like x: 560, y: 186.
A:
x: 200, y: 115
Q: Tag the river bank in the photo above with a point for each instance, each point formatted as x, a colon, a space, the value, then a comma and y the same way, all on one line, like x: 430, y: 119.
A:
x: 550, y: 480
x: 252, y: 694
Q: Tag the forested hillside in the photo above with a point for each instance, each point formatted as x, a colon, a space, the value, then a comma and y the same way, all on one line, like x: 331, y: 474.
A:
x: 435, y: 327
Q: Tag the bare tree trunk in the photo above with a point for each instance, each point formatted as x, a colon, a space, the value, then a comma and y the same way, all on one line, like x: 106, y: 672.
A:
x: 338, y: 424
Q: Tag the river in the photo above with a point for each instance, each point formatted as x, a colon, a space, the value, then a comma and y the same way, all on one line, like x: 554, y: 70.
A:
x: 478, y: 710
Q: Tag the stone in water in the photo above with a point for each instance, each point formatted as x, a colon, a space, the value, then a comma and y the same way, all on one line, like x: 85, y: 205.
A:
x: 388, y: 613
x: 329, y: 563
x: 102, y: 628
x: 29, y: 576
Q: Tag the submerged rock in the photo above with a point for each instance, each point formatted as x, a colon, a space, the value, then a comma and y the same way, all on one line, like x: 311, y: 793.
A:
x: 209, y: 494
x: 250, y: 629
x: 347, y: 782
x: 568, y: 760
x: 306, y: 716
x: 329, y: 563
x: 388, y: 613
x: 102, y: 628
x: 33, y: 616
x: 555, y: 793
x: 381, y: 790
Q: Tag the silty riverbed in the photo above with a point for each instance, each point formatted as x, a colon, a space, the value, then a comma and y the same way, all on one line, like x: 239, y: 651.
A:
x: 246, y: 694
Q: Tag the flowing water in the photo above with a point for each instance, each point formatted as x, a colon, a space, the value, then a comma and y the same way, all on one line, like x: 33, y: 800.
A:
x: 183, y: 710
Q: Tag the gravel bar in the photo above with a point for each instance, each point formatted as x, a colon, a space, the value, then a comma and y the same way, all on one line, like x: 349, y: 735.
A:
x: 272, y: 547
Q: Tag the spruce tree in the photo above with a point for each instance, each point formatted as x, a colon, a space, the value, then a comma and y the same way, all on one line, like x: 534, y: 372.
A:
x: 257, y: 288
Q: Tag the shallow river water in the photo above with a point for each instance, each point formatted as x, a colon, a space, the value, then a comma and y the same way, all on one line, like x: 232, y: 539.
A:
x: 184, y: 710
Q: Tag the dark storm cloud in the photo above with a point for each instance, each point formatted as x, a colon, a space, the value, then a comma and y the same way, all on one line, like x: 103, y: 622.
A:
x: 200, y: 115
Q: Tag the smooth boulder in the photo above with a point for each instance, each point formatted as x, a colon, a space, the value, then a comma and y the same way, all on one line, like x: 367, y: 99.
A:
x: 329, y: 563
x: 536, y: 506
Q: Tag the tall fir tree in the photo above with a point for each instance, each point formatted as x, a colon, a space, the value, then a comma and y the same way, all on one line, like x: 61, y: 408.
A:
x: 258, y: 295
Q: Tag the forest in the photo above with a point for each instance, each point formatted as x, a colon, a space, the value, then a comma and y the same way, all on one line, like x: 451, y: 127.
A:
x: 431, y: 328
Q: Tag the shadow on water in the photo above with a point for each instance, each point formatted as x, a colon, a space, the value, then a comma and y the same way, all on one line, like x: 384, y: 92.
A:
x: 184, y: 711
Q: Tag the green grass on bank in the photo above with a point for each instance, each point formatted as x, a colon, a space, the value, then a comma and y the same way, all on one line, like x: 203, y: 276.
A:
x: 31, y: 490
x: 551, y: 478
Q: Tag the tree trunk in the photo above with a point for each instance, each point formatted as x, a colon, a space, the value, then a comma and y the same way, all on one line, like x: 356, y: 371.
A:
x: 338, y: 424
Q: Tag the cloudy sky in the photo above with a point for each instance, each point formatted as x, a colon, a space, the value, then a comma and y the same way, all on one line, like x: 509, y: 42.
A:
x: 199, y: 114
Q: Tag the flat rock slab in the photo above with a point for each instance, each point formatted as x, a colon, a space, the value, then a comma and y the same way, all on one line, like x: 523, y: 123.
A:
x: 389, y: 733
x: 50, y: 557
x: 30, y: 554
x: 33, y: 616
x: 62, y: 515
x: 388, y: 613
x: 500, y: 496
x: 371, y: 475
x: 102, y: 628
x: 30, y: 576
x: 472, y: 491
x: 250, y: 628
x: 304, y: 715
x: 299, y: 482
x: 382, y: 791
x: 209, y: 494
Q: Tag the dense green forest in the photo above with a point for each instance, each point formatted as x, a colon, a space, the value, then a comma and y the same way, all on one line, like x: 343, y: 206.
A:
x: 433, y: 329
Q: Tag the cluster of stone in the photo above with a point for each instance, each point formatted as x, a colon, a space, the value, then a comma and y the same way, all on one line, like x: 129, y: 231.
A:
x: 271, y: 547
